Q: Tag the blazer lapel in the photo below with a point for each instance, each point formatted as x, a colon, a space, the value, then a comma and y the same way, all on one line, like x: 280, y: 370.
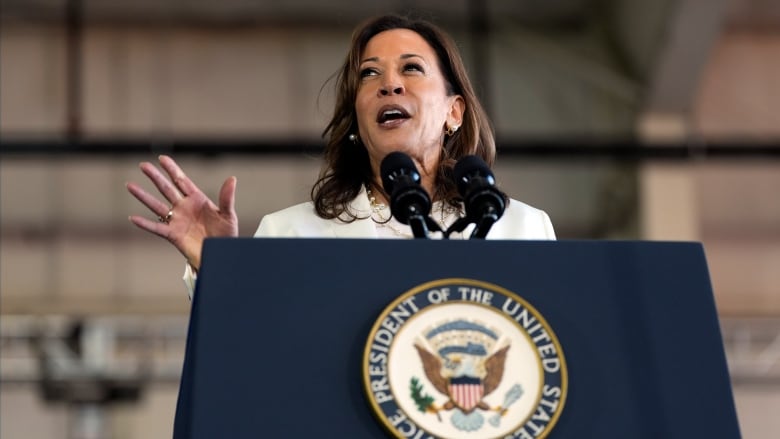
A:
x: 360, y: 228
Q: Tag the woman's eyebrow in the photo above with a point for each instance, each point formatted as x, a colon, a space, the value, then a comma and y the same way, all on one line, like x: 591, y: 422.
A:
x: 411, y: 55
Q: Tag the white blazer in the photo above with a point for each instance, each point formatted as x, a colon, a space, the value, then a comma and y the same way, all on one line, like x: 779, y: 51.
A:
x: 519, y: 221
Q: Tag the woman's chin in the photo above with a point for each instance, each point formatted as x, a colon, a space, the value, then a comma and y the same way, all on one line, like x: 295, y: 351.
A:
x: 410, y: 146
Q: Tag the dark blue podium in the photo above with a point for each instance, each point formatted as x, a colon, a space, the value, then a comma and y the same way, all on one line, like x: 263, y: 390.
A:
x: 278, y: 328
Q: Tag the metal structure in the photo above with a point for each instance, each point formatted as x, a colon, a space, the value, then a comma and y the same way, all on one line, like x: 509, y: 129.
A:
x: 45, y: 350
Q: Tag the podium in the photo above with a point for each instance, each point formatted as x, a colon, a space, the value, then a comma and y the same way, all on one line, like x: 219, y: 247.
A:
x: 279, y: 326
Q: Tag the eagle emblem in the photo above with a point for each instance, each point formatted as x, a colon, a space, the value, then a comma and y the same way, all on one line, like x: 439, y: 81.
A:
x: 465, y: 366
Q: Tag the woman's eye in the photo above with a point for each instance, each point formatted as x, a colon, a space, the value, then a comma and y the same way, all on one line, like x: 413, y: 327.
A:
x: 368, y: 72
x: 413, y: 67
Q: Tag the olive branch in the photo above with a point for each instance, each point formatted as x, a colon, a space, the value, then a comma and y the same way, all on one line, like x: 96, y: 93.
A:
x: 423, y: 401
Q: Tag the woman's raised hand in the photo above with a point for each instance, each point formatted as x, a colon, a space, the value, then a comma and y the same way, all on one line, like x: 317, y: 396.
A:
x: 189, y: 216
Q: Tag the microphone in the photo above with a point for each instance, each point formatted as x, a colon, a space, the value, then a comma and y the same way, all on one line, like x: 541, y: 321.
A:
x: 409, y: 203
x: 477, y: 186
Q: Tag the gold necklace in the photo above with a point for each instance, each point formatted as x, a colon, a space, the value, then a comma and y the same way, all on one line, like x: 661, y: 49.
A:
x: 377, y: 210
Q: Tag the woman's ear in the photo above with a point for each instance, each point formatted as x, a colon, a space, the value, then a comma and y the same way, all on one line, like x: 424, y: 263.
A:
x: 457, y: 108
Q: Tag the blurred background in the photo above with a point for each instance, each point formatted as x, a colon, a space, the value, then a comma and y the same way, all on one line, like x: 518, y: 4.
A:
x: 623, y: 119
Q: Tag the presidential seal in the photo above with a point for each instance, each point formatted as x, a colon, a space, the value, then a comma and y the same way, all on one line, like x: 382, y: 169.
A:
x: 460, y: 358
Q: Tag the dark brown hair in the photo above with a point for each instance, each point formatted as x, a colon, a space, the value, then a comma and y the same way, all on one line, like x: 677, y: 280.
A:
x: 347, y: 165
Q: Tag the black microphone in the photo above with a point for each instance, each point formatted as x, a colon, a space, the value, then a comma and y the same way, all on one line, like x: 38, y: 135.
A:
x: 409, y: 203
x: 484, y: 202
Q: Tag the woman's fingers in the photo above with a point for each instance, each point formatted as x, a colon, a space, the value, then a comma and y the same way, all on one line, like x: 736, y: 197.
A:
x: 156, y: 206
x: 227, y: 196
x: 162, y: 183
x: 156, y: 227
x: 178, y: 177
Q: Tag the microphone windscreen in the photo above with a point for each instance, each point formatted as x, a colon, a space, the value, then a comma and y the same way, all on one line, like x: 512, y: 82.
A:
x: 469, y: 166
x: 394, y: 164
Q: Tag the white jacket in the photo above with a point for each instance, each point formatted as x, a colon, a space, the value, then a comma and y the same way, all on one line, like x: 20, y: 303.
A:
x: 520, y: 221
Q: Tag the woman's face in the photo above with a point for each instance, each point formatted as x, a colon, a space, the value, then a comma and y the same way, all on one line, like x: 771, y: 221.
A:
x: 402, y: 103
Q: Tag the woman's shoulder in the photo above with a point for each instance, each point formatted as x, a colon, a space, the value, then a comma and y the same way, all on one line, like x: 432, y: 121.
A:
x: 517, y: 207
x: 301, y: 220
x: 523, y: 221
x: 288, y: 221
x: 303, y: 210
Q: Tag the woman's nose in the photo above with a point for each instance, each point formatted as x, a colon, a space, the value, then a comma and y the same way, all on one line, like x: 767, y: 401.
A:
x: 388, y: 89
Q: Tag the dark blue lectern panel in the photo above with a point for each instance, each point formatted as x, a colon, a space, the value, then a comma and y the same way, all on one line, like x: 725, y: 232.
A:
x: 278, y: 328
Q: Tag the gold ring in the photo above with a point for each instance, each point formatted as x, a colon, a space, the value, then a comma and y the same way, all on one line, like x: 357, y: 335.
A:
x: 167, y: 218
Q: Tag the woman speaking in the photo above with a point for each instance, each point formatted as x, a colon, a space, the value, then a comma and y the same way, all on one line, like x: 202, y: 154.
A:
x: 402, y: 88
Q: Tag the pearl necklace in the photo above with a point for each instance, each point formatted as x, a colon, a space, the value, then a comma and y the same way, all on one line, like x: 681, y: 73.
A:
x: 378, y: 211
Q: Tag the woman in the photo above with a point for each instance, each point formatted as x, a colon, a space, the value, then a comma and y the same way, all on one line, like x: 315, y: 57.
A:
x: 403, y: 87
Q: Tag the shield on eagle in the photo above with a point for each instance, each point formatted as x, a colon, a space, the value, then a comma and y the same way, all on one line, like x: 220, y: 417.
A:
x: 466, y: 392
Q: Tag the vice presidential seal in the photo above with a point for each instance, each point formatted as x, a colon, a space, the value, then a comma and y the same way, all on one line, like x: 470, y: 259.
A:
x: 460, y: 358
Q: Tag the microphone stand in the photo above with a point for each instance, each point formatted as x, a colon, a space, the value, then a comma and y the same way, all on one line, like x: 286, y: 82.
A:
x: 482, y: 224
x: 419, y: 228
x: 485, y: 222
x: 457, y: 226
x: 422, y: 224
